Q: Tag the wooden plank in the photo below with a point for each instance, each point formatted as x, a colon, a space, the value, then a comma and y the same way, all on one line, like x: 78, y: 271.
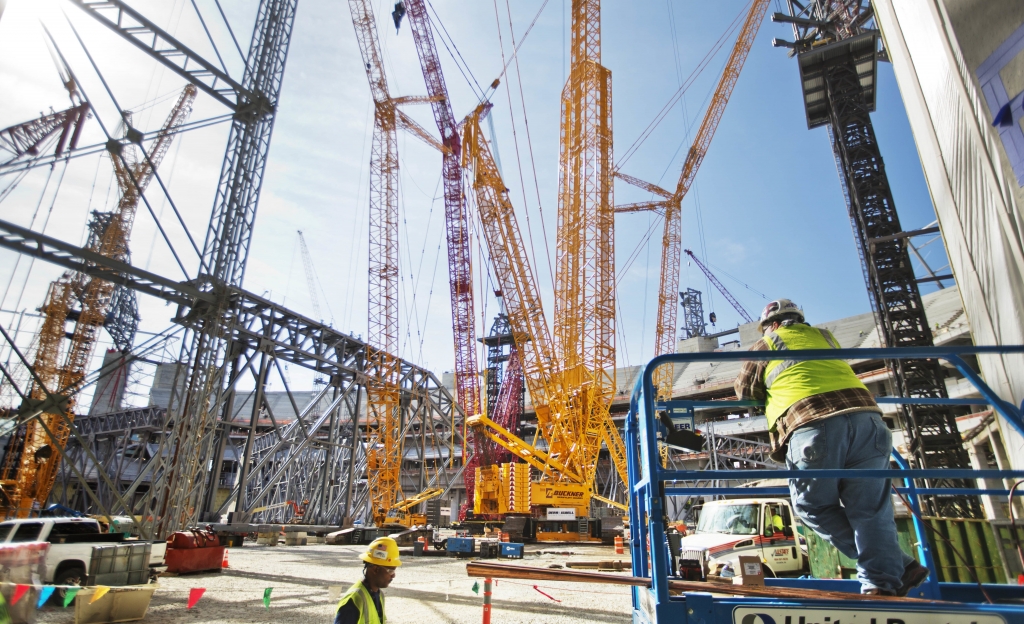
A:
x: 481, y: 569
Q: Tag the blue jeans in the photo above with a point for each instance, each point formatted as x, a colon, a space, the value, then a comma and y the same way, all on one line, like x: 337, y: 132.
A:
x: 854, y: 515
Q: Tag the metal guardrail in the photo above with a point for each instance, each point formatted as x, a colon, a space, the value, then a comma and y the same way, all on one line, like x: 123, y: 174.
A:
x: 650, y: 484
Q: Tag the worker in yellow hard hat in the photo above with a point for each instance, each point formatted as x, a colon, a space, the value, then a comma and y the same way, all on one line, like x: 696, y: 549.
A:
x: 363, y: 603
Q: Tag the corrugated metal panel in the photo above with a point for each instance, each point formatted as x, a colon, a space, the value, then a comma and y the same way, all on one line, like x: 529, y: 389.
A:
x: 937, y: 47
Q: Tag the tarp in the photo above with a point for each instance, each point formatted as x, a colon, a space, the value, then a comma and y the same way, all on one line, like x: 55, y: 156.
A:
x: 957, y: 65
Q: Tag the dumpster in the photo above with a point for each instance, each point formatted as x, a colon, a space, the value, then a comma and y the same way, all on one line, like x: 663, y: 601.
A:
x: 193, y: 551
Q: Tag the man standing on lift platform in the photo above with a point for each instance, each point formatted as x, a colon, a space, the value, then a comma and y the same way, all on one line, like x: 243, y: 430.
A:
x: 821, y: 416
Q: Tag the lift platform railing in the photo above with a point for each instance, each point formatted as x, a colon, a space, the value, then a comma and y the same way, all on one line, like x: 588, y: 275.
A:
x: 650, y: 484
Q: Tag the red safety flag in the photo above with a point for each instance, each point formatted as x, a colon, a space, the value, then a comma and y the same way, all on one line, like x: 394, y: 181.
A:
x: 194, y: 595
x: 19, y: 591
x: 546, y: 595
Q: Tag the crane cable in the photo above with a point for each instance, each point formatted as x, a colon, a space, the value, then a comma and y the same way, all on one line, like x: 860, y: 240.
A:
x: 682, y: 90
x: 519, y: 161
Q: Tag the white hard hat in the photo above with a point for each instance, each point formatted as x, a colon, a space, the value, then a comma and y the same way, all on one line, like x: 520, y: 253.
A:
x: 778, y: 309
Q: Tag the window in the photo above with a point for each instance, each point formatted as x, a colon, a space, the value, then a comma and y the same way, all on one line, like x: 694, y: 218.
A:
x: 729, y: 519
x: 62, y: 529
x: 27, y: 532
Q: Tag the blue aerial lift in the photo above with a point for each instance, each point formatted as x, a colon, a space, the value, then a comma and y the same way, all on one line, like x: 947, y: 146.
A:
x: 650, y: 484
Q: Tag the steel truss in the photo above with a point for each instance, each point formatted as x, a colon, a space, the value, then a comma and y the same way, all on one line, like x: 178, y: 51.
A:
x: 837, y: 52
x: 315, y: 454
x: 229, y: 333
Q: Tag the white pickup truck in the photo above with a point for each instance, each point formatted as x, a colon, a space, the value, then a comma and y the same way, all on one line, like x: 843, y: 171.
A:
x: 71, y: 541
x: 761, y: 527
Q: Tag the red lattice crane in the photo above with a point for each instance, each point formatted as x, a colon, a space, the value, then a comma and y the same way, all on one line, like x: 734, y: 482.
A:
x: 32, y: 458
x: 457, y: 229
x: 671, y: 203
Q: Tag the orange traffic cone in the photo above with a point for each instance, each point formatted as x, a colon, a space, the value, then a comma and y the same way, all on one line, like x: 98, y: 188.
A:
x: 224, y: 563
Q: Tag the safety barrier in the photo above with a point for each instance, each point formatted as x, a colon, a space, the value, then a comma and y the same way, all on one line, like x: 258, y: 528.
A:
x: 650, y: 484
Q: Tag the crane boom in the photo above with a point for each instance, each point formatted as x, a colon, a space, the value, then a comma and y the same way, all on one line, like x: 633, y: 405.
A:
x: 28, y: 137
x: 383, y: 437
x: 30, y: 465
x: 721, y: 287
x: 307, y: 266
x: 457, y: 228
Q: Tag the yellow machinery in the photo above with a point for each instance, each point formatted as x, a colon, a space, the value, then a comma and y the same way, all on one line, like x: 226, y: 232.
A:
x: 33, y: 454
x: 571, y: 418
x: 570, y: 376
x: 400, y: 516
x: 671, y: 202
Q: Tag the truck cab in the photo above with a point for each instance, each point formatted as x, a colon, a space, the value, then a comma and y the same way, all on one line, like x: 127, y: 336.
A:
x: 764, y: 527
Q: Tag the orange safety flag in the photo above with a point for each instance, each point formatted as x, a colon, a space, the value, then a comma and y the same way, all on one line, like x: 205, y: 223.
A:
x: 194, y: 595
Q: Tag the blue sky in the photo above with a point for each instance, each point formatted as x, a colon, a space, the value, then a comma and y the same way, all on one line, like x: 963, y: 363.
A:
x: 772, y: 210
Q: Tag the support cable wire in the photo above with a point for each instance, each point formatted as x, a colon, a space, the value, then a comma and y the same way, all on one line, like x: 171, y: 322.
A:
x: 442, y: 33
x: 96, y: 148
x: 209, y: 36
x: 230, y: 31
x: 529, y: 145
x: 32, y: 222
x: 519, y: 162
x: 682, y: 89
x: 515, y: 48
x: 145, y: 153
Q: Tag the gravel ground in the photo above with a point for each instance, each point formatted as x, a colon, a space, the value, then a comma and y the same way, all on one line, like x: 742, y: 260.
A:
x: 425, y: 590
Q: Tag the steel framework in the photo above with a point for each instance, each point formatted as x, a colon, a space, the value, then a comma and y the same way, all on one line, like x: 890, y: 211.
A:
x: 693, y: 313
x: 836, y: 47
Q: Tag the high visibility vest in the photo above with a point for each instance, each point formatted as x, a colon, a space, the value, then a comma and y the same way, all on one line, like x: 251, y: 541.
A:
x: 788, y: 381
x: 361, y: 597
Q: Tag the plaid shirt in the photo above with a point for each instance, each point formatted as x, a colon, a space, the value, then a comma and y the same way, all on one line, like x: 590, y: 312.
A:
x: 749, y: 386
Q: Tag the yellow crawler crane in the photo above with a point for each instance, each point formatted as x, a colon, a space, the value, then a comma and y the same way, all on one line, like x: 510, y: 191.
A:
x: 565, y: 412
x: 32, y: 458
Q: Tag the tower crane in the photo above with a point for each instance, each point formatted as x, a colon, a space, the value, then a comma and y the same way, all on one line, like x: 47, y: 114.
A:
x: 457, y: 229
x: 671, y: 202
x: 721, y: 287
x: 30, y: 463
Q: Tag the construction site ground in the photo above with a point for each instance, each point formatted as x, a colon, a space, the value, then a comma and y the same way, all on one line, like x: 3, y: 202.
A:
x: 425, y: 589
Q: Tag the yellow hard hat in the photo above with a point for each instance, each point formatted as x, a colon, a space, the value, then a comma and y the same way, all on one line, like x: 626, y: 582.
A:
x: 382, y: 551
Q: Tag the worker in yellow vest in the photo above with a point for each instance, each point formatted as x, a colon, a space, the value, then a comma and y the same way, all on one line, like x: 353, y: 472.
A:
x: 821, y: 416
x: 363, y: 603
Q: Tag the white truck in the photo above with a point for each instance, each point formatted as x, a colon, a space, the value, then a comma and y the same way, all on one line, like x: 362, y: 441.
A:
x: 761, y: 527
x: 71, y: 541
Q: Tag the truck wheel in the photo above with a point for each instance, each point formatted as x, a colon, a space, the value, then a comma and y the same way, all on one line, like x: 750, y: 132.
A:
x: 443, y: 545
x: 70, y: 576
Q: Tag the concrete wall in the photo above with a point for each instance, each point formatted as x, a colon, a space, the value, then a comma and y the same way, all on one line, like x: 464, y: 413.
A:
x: 109, y: 395
x: 959, y: 64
